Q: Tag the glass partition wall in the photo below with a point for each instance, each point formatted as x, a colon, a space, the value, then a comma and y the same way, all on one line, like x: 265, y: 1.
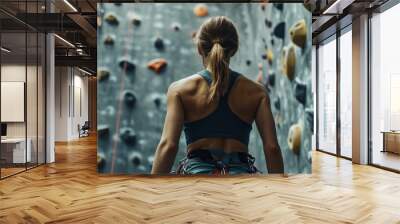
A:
x: 334, y: 104
x: 22, y: 77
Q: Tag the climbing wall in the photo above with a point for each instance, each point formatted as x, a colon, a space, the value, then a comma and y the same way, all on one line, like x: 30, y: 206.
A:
x: 143, y: 47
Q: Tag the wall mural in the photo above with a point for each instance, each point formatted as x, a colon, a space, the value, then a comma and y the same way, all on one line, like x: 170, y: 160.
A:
x: 144, y: 47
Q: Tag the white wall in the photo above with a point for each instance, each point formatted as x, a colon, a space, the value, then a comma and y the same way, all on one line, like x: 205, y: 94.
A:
x: 61, y: 103
x: 81, y: 89
x: 71, y: 93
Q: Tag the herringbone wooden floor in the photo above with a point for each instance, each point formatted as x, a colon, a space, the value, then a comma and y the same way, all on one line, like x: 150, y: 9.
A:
x: 70, y: 191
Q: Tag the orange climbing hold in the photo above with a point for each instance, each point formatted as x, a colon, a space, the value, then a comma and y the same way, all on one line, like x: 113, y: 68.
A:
x: 157, y: 65
x: 200, y: 10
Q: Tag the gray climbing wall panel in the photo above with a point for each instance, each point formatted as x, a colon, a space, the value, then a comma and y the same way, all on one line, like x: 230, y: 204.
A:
x: 131, y: 97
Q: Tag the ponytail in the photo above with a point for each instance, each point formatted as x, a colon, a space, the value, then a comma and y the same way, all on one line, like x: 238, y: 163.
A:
x: 217, y: 41
x: 219, y: 67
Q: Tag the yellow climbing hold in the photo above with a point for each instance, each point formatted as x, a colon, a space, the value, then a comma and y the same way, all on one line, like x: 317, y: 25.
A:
x: 294, y: 138
x: 289, y: 62
x: 270, y: 56
x: 298, y: 33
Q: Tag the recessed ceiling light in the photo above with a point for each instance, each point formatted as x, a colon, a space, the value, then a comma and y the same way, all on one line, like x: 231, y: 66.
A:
x: 333, y: 6
x: 84, y: 71
x: 64, y: 40
x: 70, y: 5
x: 5, y: 50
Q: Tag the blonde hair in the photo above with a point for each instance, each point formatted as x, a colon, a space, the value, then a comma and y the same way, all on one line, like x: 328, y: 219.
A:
x: 217, y: 42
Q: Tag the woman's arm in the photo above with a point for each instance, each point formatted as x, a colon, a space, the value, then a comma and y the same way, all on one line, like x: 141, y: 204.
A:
x: 266, y: 127
x: 168, y: 146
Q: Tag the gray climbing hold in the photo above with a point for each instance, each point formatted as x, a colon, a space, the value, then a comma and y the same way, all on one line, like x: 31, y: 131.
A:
x: 136, y: 21
x: 300, y: 92
x: 279, y: 30
x: 271, y: 80
x: 264, y: 56
x: 128, y: 135
x: 309, y: 113
x: 248, y: 62
x: 112, y: 19
x: 277, y: 104
x: 103, y: 130
x: 127, y: 65
x: 135, y: 158
x: 159, y: 44
x: 157, y: 101
x: 103, y: 75
x: 176, y: 27
x: 310, y: 5
x: 268, y: 23
x: 279, y: 6
x: 129, y: 98
x: 109, y: 40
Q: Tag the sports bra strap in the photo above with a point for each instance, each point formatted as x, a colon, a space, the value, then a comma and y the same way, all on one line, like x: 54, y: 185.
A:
x: 206, y: 75
x: 232, y: 78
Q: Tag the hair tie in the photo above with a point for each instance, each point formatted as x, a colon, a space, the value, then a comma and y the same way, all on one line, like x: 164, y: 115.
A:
x: 216, y: 41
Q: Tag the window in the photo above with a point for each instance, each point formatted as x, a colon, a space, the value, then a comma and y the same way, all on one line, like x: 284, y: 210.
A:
x: 346, y: 93
x: 385, y: 89
x: 327, y: 96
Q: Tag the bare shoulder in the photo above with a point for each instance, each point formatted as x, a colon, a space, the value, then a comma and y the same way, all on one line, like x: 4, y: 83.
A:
x: 186, y: 85
x: 251, y: 87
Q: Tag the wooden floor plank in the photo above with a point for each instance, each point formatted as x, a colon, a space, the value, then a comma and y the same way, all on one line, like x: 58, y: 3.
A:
x: 71, y: 191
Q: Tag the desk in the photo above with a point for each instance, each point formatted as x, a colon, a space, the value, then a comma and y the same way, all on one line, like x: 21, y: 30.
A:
x: 391, y: 141
x: 15, y: 148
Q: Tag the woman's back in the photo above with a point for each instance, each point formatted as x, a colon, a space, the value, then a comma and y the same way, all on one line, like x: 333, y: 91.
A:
x: 242, y: 99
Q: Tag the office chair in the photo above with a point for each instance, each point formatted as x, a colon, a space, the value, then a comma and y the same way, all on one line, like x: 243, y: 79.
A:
x: 84, y: 130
